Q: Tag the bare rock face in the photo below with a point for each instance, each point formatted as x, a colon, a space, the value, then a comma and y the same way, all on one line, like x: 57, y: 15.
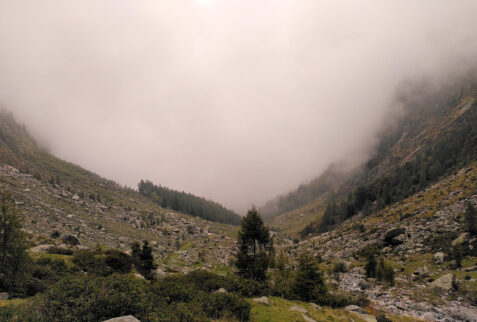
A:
x: 128, y: 318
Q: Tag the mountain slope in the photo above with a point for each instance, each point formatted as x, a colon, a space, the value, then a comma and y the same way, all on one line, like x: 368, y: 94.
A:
x: 437, y: 136
x: 58, y: 196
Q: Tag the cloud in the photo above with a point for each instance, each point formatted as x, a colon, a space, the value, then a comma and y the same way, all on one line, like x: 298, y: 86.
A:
x: 236, y: 101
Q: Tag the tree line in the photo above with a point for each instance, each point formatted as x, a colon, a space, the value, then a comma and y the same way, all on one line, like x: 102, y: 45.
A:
x: 188, y: 203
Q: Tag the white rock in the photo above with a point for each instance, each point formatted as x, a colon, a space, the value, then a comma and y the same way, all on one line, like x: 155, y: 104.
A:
x: 262, y: 300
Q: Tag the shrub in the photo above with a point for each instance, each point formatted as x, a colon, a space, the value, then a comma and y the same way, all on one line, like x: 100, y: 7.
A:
x: 60, y: 251
x: 89, y: 262
x: 339, y: 267
x: 118, y: 261
x: 216, y: 306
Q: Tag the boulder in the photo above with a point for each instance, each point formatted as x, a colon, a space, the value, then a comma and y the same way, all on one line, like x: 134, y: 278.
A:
x: 394, y: 236
x: 307, y: 318
x: 366, y: 317
x: 71, y: 240
x: 128, y: 318
x: 139, y: 276
x: 439, y: 257
x: 4, y: 296
x: 459, y: 240
x: 355, y: 309
x: 41, y: 248
x: 221, y: 290
x: 262, y: 300
x: 298, y: 309
x: 443, y: 282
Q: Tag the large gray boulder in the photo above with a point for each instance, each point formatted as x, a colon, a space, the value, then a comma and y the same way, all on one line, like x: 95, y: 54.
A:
x: 443, y: 282
x: 4, y: 296
x: 128, y: 318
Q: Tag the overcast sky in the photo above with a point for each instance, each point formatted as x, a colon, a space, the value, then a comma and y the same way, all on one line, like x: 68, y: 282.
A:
x: 234, y: 100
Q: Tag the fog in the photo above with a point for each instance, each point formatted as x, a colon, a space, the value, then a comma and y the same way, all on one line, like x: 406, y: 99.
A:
x: 234, y: 100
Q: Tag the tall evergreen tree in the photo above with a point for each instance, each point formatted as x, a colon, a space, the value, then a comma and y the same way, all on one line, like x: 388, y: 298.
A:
x: 12, y: 243
x: 471, y: 219
x: 255, y: 247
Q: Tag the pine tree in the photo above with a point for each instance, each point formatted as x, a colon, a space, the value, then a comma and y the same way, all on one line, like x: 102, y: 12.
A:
x: 371, y: 266
x: 147, y: 260
x: 12, y: 243
x: 309, y: 283
x: 471, y: 219
x: 255, y: 247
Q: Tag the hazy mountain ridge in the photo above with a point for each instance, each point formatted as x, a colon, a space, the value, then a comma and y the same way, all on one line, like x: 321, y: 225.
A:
x: 429, y: 114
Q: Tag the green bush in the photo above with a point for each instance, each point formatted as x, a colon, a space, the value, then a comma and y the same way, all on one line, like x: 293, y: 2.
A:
x: 118, y: 261
x: 61, y: 251
x: 216, y: 306
x: 91, y: 263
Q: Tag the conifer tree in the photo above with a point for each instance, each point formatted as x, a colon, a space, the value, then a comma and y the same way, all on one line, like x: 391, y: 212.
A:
x: 255, y: 247
x: 309, y: 283
x: 12, y: 243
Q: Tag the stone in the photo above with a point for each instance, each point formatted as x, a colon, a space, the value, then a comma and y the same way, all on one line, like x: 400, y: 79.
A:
x: 75, y: 197
x: 459, y: 240
x: 298, y: 309
x: 315, y: 306
x: 366, y: 317
x: 307, y: 318
x: 439, y: 257
x: 262, y: 300
x: 4, y: 296
x: 128, y: 318
x: 160, y: 273
x: 443, y: 282
x: 138, y: 276
x: 355, y: 309
x: 71, y: 240
x: 464, y: 313
x: 221, y: 290
x: 41, y: 249
x: 394, y: 236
